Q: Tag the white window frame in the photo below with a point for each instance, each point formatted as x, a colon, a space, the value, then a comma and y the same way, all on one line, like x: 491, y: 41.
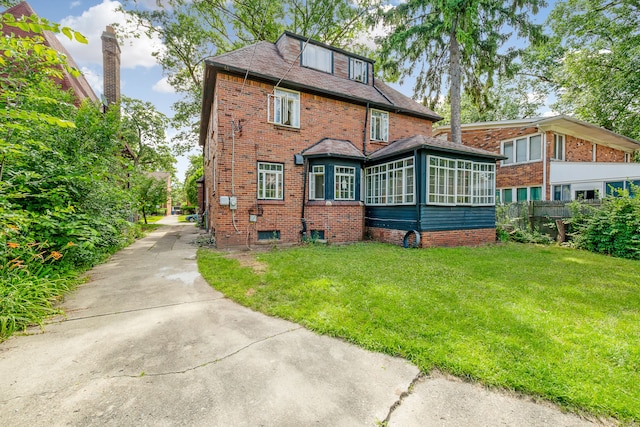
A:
x: 317, y: 57
x: 452, y: 182
x: 315, y: 172
x: 391, y: 183
x: 379, y: 130
x: 283, y: 108
x: 344, y: 178
x: 358, y: 70
x: 558, y: 147
x: 563, y: 188
x: 512, y: 146
x: 274, y: 172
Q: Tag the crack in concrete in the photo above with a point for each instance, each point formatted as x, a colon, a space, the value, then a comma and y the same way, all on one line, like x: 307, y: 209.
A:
x: 202, y: 365
x: 133, y: 310
x: 401, y: 398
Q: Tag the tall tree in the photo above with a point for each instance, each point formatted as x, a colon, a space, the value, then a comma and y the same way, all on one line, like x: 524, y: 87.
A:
x: 593, y: 62
x: 143, y: 134
x: 459, y: 42
x: 193, y: 30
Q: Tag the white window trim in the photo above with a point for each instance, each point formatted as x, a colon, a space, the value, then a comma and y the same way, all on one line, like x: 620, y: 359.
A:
x: 564, y: 147
x: 453, y: 169
x: 312, y: 182
x: 384, y: 118
x: 363, y: 76
x: 279, y: 180
x: 346, y: 172
x: 276, y: 99
x: 513, y: 142
x: 313, y: 56
x: 385, y: 173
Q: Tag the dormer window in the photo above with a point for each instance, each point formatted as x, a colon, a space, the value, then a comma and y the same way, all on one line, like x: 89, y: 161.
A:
x: 317, y: 57
x: 358, y: 70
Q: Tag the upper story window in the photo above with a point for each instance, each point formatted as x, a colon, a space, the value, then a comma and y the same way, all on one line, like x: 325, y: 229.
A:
x: 379, y: 125
x: 558, y: 147
x: 316, y: 183
x: 270, y: 181
x: 345, y: 180
x: 284, y: 108
x: 390, y: 183
x: 317, y: 57
x: 522, y: 150
x: 358, y: 70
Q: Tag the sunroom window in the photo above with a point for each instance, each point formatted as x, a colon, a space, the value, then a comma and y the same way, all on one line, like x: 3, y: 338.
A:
x: 460, y: 182
x: 390, y: 183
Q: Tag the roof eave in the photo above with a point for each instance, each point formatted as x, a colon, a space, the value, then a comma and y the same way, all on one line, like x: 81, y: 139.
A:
x: 312, y: 89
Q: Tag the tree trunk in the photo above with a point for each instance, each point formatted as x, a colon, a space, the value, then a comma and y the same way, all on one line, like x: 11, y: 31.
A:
x: 144, y: 215
x: 454, y: 90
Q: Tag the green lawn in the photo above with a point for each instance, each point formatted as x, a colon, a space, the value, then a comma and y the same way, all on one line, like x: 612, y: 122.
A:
x: 546, y: 321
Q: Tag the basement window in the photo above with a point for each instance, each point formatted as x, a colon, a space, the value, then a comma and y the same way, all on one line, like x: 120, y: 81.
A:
x: 269, y: 235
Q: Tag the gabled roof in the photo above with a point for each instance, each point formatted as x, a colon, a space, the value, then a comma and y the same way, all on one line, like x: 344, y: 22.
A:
x: 328, y: 147
x: 80, y: 85
x: 263, y: 61
x: 563, y: 124
x: 411, y: 143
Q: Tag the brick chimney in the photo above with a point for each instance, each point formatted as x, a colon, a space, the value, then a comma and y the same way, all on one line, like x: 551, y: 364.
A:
x: 111, y: 65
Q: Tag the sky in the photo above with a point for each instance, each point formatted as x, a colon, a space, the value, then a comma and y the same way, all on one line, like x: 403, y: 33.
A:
x: 140, y: 76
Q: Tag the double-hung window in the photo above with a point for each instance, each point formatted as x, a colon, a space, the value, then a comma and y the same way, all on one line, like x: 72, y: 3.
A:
x: 379, y: 125
x: 558, y: 147
x: 284, y: 108
x: 317, y: 57
x: 522, y: 150
x: 270, y: 181
x: 460, y: 182
x: 345, y: 183
x: 358, y: 70
x: 316, y: 183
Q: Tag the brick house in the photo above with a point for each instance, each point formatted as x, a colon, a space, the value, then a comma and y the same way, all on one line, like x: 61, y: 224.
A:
x: 78, y: 84
x: 300, y: 140
x: 553, y: 158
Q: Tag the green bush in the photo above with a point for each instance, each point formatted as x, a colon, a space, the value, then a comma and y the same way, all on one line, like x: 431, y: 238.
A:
x: 188, y: 209
x: 613, y: 229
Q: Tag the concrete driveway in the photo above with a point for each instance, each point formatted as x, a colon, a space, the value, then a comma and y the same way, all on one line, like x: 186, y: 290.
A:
x: 147, y: 342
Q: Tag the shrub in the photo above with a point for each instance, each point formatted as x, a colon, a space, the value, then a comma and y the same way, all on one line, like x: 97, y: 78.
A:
x: 613, y: 229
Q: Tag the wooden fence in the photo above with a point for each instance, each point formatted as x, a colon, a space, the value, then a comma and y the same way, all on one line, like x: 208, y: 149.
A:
x: 538, y: 215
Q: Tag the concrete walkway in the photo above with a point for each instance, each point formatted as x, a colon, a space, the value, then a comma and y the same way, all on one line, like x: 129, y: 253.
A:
x: 147, y: 342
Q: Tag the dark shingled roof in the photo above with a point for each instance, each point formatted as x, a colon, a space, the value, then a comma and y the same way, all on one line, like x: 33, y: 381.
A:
x: 328, y: 147
x: 265, y: 61
x: 420, y: 141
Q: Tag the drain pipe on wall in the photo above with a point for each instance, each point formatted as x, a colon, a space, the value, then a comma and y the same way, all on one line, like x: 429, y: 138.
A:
x: 364, y: 131
x: 305, y: 172
x: 233, y: 169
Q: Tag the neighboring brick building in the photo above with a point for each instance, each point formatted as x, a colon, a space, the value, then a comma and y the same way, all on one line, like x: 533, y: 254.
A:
x: 553, y: 158
x: 81, y: 88
x: 301, y: 141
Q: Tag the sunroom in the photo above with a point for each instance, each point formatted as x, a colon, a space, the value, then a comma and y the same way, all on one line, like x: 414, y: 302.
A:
x: 430, y: 192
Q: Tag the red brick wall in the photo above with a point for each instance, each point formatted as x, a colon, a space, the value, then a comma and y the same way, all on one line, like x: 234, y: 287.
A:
x: 578, y: 150
x: 341, y: 222
x: 258, y: 140
x: 429, y: 239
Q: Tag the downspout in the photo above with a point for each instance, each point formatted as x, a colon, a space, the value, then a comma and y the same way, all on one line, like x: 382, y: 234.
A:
x: 364, y: 131
x: 544, y: 166
x: 233, y: 169
x: 416, y: 187
x: 305, y: 172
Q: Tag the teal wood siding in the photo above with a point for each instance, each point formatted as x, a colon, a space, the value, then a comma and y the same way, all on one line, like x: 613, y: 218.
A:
x: 441, y: 218
x: 393, y: 217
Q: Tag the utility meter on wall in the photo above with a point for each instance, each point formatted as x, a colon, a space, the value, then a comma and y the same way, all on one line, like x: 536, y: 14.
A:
x: 233, y: 203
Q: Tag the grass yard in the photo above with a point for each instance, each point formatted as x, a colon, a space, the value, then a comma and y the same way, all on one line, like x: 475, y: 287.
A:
x: 546, y: 321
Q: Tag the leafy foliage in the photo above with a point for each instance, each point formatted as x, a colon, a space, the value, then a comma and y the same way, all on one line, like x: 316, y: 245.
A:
x: 192, y: 30
x: 613, y: 229
x: 456, y: 42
